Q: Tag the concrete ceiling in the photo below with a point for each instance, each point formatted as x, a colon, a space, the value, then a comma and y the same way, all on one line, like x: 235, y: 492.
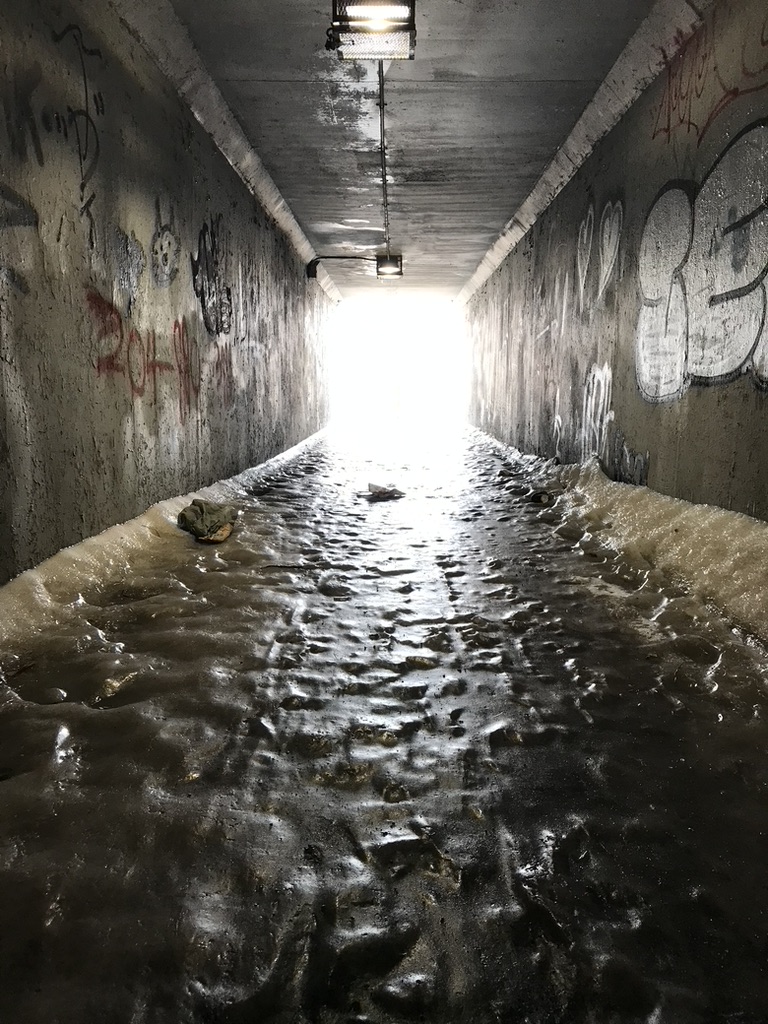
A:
x: 471, y: 123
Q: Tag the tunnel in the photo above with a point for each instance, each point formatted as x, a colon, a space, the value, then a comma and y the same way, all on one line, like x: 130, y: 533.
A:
x: 383, y: 614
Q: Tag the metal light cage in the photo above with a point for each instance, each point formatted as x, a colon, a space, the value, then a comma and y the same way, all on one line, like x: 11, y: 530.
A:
x: 373, y: 29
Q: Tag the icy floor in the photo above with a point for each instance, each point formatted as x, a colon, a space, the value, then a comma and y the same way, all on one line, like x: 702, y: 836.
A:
x: 442, y: 759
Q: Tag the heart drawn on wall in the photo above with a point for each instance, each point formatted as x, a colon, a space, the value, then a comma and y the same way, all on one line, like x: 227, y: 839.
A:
x: 584, y: 252
x: 610, y: 236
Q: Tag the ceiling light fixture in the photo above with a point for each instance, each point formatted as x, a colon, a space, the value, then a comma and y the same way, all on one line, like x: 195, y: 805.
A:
x: 386, y: 265
x: 373, y: 30
x: 389, y: 266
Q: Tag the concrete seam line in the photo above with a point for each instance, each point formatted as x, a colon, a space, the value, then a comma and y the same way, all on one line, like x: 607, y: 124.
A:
x: 157, y: 29
x: 637, y: 66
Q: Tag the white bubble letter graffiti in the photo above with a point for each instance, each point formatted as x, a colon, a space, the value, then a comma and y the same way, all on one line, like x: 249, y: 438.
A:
x: 728, y: 259
x: 702, y: 274
x: 662, y: 329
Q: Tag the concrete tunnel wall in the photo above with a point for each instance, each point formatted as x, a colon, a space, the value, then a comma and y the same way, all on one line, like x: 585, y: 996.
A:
x: 631, y: 319
x: 157, y: 331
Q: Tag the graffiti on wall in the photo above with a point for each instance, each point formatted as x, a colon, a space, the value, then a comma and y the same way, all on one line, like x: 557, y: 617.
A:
x: 127, y: 353
x: 606, y: 259
x: 704, y: 79
x: 584, y: 253
x: 557, y: 428
x: 610, y: 236
x: 209, y: 279
x: 702, y: 266
x: 224, y: 373
x: 81, y: 119
x: 17, y: 89
x: 597, y: 412
x: 165, y: 250
x: 129, y: 262
x: 20, y: 121
x: 560, y: 298
x: 555, y: 296
x: 554, y: 293
x: 576, y: 277
x: 15, y: 212
x: 186, y: 356
x: 624, y: 463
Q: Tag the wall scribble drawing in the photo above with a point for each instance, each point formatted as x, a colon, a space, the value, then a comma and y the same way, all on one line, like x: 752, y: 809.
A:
x: 129, y: 263
x: 557, y: 428
x: 186, y: 357
x: 703, y: 79
x: 122, y: 351
x: 209, y: 279
x: 584, y: 252
x: 665, y: 240
x: 113, y: 392
x: 606, y: 260
x: 610, y: 236
x: 82, y: 120
x: 555, y: 293
x: 15, y: 212
x: 623, y: 463
x: 561, y: 294
x: 224, y: 373
x: 125, y: 352
x: 596, y: 411
x: 20, y: 120
x: 165, y: 250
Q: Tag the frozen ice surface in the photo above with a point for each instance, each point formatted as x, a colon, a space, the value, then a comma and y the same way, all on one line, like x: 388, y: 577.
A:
x: 449, y: 759
x: 720, y: 556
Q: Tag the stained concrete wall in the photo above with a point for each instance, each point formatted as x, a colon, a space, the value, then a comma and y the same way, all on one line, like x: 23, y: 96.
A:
x: 157, y: 331
x: 631, y: 319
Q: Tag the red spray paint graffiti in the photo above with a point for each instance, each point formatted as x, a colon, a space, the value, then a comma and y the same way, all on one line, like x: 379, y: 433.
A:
x: 699, y: 86
x: 225, y: 374
x: 187, y: 358
x: 126, y: 353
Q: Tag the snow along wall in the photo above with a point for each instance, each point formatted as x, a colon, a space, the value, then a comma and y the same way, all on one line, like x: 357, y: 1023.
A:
x: 157, y: 331
x: 631, y: 320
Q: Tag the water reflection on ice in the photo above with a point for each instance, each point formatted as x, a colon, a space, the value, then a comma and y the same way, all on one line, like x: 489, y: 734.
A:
x: 446, y: 758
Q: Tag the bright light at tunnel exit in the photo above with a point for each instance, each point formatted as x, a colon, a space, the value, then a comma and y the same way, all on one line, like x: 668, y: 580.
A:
x: 399, y: 371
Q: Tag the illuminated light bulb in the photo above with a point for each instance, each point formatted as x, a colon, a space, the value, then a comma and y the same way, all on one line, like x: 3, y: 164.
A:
x: 389, y: 266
